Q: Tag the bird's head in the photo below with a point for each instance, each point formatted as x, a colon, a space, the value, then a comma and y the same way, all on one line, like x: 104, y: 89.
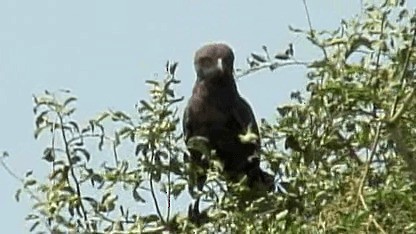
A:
x: 214, y: 61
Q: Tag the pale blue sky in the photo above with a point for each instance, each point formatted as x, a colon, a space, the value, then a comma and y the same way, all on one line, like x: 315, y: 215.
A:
x: 104, y: 50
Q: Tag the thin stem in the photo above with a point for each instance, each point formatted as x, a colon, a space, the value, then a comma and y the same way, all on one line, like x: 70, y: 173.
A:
x: 53, y: 142
x: 275, y: 64
x: 308, y: 17
x: 10, y: 171
x: 26, y: 189
x: 71, y: 166
x: 93, y: 135
x: 169, y: 180
x: 378, y: 62
x: 152, y: 191
x: 115, y: 153
x: 395, y: 115
x: 366, y: 170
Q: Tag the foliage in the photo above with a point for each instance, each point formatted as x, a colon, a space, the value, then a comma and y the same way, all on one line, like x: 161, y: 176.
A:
x: 350, y: 167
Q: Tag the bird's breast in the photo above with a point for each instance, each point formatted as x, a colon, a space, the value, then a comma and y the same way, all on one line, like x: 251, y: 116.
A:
x: 211, y: 108
x: 208, y: 114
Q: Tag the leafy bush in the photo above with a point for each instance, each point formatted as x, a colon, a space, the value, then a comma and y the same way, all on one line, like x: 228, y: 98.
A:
x: 350, y: 167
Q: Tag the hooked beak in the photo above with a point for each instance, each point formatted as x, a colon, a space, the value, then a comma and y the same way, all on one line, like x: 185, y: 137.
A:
x: 219, y: 65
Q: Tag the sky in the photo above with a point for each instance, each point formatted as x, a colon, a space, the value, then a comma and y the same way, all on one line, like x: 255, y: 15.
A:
x: 103, y: 51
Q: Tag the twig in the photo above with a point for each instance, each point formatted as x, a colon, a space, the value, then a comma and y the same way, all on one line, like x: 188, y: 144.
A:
x: 274, y: 64
x: 115, y: 153
x: 26, y: 189
x: 93, y: 135
x: 74, y: 177
x: 169, y: 181
x: 4, y: 165
x: 309, y: 18
x: 367, y: 166
x: 402, y: 108
x: 366, y: 170
x: 10, y: 171
x: 312, y: 38
x: 152, y: 191
x: 403, y: 149
x: 395, y: 115
x: 322, y: 47
x: 378, y: 62
x: 374, y: 221
x: 395, y: 132
x: 53, y: 143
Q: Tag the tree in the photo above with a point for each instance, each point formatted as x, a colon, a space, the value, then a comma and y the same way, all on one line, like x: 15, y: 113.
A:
x: 350, y: 167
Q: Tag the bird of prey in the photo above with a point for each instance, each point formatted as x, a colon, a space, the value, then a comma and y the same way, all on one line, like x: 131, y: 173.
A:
x: 218, y: 113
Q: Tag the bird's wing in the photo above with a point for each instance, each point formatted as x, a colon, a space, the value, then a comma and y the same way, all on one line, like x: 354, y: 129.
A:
x: 244, y: 115
x: 185, y: 124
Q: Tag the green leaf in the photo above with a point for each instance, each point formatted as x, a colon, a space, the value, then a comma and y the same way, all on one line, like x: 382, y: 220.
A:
x: 41, y: 118
x: 259, y: 58
x: 17, y: 195
x: 69, y: 100
x: 34, y: 225
x: 38, y: 131
x: 178, y: 188
x: 146, y: 105
x: 29, y: 183
x: 101, y: 117
x: 281, y: 215
x: 49, y: 154
x: 137, y: 196
x: 84, y: 152
x: 295, y: 30
x: 28, y: 173
x: 118, y: 115
x: 74, y: 125
x: 152, y: 82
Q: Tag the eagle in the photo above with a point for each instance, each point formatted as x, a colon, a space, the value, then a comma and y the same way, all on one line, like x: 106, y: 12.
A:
x: 216, y: 112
